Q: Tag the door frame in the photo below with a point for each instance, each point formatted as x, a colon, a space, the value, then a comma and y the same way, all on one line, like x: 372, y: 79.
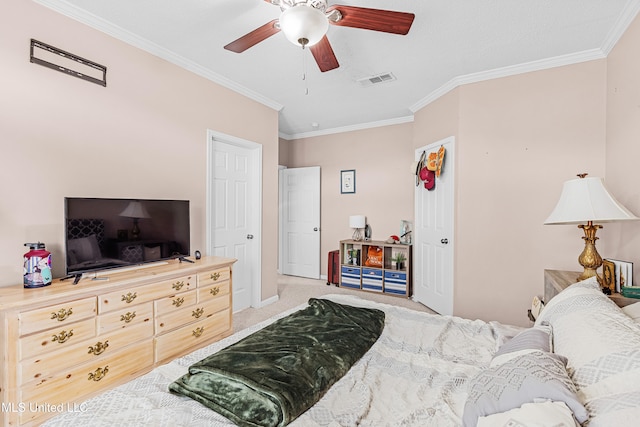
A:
x: 255, y: 152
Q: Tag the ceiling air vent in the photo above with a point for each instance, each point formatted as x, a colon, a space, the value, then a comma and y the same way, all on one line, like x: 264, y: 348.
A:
x: 377, y: 79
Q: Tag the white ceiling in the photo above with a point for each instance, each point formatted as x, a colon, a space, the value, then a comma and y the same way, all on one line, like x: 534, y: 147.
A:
x: 451, y: 42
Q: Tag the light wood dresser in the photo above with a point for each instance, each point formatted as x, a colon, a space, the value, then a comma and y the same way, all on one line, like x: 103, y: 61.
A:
x: 63, y: 343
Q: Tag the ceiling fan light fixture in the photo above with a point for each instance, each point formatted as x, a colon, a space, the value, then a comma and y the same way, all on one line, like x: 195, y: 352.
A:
x: 303, y: 25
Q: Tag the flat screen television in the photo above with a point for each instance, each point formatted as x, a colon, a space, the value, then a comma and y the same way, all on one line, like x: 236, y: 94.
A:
x: 110, y: 233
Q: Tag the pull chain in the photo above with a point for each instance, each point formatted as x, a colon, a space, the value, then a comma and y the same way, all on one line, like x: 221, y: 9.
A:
x: 304, y: 72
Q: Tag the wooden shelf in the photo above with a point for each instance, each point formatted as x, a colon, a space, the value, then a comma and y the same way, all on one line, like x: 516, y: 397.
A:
x: 370, y: 265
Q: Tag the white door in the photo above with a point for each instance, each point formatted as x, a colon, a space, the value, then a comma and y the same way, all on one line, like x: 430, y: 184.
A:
x: 300, y: 219
x: 234, y: 213
x: 433, y: 246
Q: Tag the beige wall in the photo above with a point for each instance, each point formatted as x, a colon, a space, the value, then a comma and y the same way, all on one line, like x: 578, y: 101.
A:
x: 622, y: 241
x: 144, y: 135
x: 382, y: 160
x: 517, y: 140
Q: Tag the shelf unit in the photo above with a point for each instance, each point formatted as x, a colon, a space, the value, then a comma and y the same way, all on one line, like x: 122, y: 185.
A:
x: 371, y: 266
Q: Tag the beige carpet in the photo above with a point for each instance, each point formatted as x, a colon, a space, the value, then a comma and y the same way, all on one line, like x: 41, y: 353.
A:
x: 293, y: 291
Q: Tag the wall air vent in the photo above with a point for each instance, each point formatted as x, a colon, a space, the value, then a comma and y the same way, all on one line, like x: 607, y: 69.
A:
x: 377, y: 79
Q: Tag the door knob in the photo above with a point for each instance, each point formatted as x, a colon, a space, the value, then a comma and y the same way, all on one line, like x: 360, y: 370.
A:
x: 249, y: 236
x: 444, y: 241
x: 315, y: 228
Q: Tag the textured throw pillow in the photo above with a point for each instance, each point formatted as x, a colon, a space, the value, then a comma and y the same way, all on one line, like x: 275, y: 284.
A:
x: 633, y: 311
x: 602, y: 347
x: 523, y: 379
x: 539, y: 414
x: 532, y: 339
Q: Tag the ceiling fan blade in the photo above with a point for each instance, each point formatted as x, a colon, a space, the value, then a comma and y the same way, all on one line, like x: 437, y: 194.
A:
x: 254, y: 37
x: 324, y: 56
x: 387, y: 21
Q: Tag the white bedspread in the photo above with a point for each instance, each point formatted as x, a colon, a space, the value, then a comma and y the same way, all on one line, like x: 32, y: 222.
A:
x: 415, y: 375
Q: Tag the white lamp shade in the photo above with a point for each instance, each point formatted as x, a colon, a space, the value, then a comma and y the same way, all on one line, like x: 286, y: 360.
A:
x: 357, y: 221
x: 303, y: 22
x: 587, y: 199
x: 135, y: 209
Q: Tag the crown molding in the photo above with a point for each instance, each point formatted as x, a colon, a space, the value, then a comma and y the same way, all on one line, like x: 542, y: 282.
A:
x: 350, y: 128
x: 627, y: 16
x: 77, y: 14
x: 632, y: 8
x: 512, y: 70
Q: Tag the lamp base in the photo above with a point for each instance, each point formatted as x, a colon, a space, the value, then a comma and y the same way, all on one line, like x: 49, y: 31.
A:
x: 357, y: 235
x: 590, y: 259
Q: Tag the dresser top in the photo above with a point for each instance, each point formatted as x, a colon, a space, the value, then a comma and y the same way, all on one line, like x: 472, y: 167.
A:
x: 18, y: 295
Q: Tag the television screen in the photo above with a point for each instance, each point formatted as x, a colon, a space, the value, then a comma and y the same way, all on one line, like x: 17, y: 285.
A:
x: 111, y: 233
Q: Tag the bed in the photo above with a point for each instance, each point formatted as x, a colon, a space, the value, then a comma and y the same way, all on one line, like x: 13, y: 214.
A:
x: 581, y: 360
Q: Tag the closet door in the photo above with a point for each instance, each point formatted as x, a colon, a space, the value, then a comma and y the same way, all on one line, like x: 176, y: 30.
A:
x: 433, y: 245
x: 300, y: 220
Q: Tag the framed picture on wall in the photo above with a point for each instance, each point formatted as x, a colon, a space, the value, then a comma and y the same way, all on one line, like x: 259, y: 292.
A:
x: 348, y: 181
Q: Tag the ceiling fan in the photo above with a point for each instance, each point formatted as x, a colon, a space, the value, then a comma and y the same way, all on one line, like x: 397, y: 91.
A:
x: 305, y: 23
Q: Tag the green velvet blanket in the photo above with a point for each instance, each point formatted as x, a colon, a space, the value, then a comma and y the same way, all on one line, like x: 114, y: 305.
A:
x: 272, y: 376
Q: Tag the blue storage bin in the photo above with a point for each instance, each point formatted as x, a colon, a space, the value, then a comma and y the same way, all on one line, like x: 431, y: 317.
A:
x: 395, y: 282
x: 350, y: 277
x: 372, y: 279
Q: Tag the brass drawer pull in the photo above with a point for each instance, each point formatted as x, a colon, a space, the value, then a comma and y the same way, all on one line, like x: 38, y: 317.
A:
x: 62, y: 337
x: 98, y: 348
x: 197, y: 313
x: 98, y: 374
x: 178, y: 301
x: 178, y: 285
x: 215, y: 276
x: 197, y: 332
x: 129, y: 297
x: 215, y: 290
x: 126, y: 318
x: 62, y: 314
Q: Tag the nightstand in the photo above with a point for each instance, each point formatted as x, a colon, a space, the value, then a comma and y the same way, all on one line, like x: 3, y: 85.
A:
x: 556, y: 280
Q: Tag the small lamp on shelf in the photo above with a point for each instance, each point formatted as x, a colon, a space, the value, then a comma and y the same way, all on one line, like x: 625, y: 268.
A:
x: 357, y: 222
x: 584, y: 201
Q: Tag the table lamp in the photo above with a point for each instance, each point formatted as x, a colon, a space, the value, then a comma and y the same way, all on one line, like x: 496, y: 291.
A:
x: 357, y: 222
x: 135, y: 210
x: 584, y: 201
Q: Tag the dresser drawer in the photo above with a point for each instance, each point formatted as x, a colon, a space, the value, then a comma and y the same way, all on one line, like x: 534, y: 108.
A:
x: 192, y: 336
x: 46, y: 365
x: 56, y: 338
x: 215, y: 294
x: 127, y: 317
x: 214, y: 276
x: 91, y: 377
x: 174, y: 302
x: 182, y: 317
x: 55, y: 315
x: 145, y: 293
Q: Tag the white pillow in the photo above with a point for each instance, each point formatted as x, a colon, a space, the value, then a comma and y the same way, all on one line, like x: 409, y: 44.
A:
x: 602, y: 347
x: 539, y: 414
x: 633, y: 311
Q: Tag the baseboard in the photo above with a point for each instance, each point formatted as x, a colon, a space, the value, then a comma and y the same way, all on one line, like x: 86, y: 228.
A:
x: 269, y: 301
